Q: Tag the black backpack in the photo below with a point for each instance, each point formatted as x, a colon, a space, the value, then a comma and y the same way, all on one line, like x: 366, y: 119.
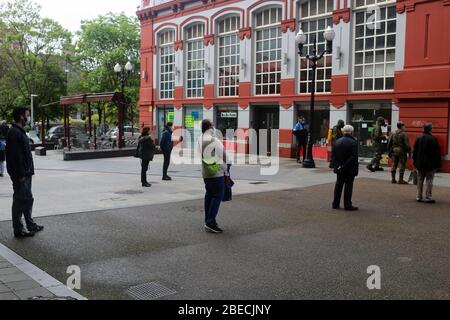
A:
x: 137, y: 152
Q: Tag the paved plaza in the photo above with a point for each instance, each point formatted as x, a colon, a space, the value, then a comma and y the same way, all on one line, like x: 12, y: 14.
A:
x: 282, y: 240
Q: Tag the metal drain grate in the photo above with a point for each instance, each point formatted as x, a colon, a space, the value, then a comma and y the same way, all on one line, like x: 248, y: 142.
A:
x: 149, y: 291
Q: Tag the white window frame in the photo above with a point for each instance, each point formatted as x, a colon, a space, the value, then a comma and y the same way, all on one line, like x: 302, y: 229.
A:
x: 199, y: 89
x: 261, y: 28
x: 384, y: 5
x: 327, y: 15
x: 220, y: 36
x: 171, y: 75
x: 371, y: 3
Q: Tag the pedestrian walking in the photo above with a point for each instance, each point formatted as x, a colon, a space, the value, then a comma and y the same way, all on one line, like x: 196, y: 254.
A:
x: 146, y: 152
x: 377, y: 139
x: 300, y: 132
x: 166, y: 145
x: 427, y: 160
x: 398, y: 151
x: 336, y: 133
x: 345, y: 155
x: 214, y: 166
x: 20, y: 166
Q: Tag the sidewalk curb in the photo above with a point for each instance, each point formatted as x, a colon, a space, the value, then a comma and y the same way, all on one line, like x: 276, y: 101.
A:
x: 38, y: 275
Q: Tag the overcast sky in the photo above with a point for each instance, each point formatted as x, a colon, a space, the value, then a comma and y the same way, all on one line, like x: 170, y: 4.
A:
x: 70, y: 13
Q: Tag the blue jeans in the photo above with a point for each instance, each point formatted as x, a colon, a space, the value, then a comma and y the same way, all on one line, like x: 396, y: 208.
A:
x: 215, y: 188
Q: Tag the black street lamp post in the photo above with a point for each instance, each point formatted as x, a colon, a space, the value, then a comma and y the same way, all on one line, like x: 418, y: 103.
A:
x: 123, y: 76
x: 300, y: 39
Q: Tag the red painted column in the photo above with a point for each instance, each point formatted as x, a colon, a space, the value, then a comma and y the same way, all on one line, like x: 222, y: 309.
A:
x: 147, y: 91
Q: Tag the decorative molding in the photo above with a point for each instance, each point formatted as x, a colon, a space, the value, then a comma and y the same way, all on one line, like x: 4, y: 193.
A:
x: 227, y: 10
x: 343, y: 14
x: 245, y: 33
x: 288, y: 24
x: 208, y: 39
x: 178, y: 45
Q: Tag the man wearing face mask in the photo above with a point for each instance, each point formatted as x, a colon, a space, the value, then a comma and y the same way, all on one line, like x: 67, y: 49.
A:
x: 166, y: 145
x: 19, y: 163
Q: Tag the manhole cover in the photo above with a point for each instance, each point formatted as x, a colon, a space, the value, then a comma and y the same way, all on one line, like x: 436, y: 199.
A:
x: 149, y: 291
x: 258, y: 182
x: 129, y: 192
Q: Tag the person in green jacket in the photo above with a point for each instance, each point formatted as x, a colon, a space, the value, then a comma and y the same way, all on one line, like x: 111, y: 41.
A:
x: 398, y: 150
x: 377, y: 140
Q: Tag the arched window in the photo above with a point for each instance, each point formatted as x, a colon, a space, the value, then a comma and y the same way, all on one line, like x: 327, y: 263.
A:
x: 268, y: 51
x: 316, y: 16
x: 166, y: 64
x: 229, y: 53
x: 195, y: 58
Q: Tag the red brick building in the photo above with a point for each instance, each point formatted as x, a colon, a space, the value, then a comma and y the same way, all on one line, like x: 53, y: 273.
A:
x: 236, y: 62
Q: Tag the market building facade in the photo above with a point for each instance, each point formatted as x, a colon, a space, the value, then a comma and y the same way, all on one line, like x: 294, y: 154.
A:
x: 236, y: 62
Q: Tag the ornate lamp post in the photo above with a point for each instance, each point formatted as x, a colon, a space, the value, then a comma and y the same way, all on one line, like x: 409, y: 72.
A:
x: 300, y: 39
x: 123, y: 77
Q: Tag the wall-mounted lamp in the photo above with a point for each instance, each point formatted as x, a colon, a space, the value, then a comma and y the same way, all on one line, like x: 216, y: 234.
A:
x: 285, y: 58
x: 177, y: 71
x: 207, y: 68
x: 243, y: 64
x: 338, y: 53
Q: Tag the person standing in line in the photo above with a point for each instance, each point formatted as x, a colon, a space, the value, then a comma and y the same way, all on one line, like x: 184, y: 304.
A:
x: 377, y: 140
x: 214, y: 166
x: 427, y: 160
x: 336, y: 134
x: 3, y: 133
x: 345, y: 155
x: 166, y: 145
x: 301, y: 138
x: 20, y: 166
x: 398, y: 150
x: 146, y: 153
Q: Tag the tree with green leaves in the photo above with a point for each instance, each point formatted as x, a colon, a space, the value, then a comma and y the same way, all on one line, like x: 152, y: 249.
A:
x: 104, y: 42
x: 32, y: 48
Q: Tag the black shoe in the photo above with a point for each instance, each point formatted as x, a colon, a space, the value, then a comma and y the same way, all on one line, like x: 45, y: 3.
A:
x: 213, y: 229
x: 336, y: 207
x: 146, y: 184
x: 36, y: 228
x: 379, y: 169
x: 370, y: 168
x: 352, y: 208
x: 167, y: 178
x: 428, y: 200
x: 23, y: 234
x: 1, y: 174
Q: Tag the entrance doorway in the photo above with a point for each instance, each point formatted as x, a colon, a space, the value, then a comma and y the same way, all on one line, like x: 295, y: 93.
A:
x: 265, y: 119
x: 165, y: 114
x: 363, y: 116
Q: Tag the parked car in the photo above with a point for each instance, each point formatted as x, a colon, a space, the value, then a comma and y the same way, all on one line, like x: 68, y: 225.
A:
x: 57, y: 132
x: 33, y: 136
x: 127, y: 133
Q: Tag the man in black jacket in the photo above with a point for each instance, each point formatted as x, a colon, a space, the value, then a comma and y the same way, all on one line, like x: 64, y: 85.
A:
x: 345, y: 155
x: 427, y: 160
x: 19, y: 163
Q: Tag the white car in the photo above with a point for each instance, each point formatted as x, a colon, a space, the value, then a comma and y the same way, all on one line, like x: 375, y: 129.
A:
x: 33, y: 136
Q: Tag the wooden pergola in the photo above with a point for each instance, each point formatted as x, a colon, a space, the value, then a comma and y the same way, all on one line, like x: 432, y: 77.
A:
x: 117, y: 98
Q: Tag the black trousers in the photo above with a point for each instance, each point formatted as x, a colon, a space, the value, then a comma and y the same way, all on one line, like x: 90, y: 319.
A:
x: 166, y: 162
x: 144, y: 168
x: 22, y: 204
x: 300, y: 144
x: 344, y: 181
